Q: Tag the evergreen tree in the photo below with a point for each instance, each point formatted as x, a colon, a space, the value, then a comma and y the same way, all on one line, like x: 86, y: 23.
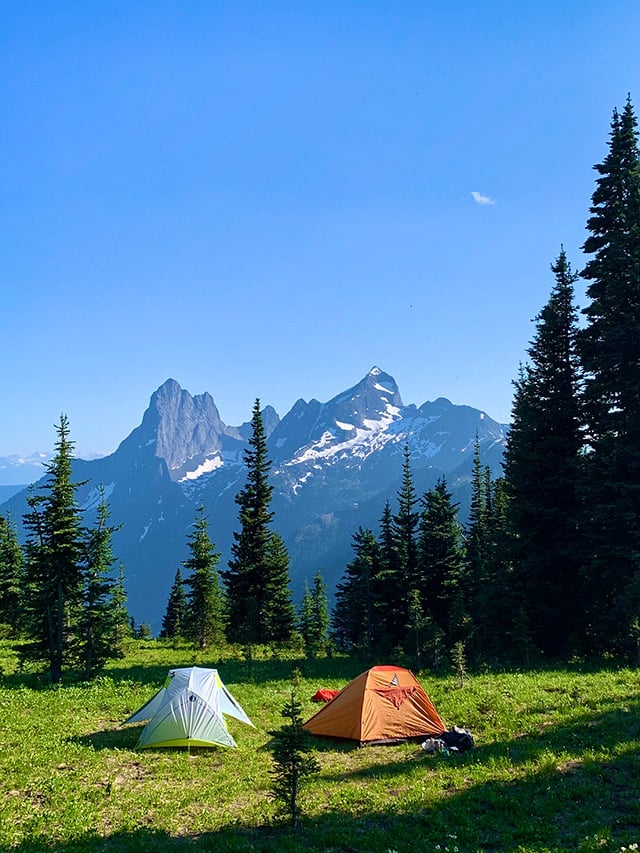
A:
x: 478, y: 580
x: 477, y: 526
x: 496, y: 604
x: 11, y: 575
x: 121, y: 618
x: 405, y: 530
x: 175, y: 617
x: 610, y: 353
x: 54, y: 551
x: 313, y: 616
x: 204, y: 622
x: 441, y: 561
x: 292, y: 764
x: 100, y: 621
x: 278, y: 613
x: 542, y: 463
x: 354, y: 622
x: 260, y: 608
x: 391, y: 603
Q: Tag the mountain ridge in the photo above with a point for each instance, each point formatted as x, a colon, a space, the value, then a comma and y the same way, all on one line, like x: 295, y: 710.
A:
x: 333, y: 466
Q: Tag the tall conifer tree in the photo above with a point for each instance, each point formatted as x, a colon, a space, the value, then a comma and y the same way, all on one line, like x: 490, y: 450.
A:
x: 204, y: 613
x: 100, y: 623
x: 175, y: 617
x: 610, y: 352
x: 542, y: 463
x: 278, y: 612
x: 441, y: 561
x: 11, y: 575
x: 313, y: 616
x: 54, y: 551
x: 260, y: 608
x: 355, y: 626
x: 405, y: 531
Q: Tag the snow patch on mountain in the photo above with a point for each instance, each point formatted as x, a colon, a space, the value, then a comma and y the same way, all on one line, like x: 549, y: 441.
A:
x: 206, y: 467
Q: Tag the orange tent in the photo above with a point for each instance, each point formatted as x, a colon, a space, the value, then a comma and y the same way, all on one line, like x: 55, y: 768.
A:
x: 382, y: 705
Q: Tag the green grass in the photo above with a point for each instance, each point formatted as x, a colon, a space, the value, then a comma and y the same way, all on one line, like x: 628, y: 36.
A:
x: 556, y: 766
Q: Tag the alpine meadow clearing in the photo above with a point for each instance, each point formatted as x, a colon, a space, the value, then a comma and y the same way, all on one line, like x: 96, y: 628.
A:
x: 556, y: 764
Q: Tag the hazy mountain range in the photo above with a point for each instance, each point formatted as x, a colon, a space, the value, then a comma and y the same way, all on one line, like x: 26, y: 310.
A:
x: 334, y: 465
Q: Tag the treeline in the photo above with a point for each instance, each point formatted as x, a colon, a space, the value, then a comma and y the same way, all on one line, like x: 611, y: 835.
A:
x: 62, y: 593
x: 549, y: 561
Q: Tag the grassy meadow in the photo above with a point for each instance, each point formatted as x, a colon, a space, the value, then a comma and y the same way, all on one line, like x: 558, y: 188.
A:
x: 556, y: 765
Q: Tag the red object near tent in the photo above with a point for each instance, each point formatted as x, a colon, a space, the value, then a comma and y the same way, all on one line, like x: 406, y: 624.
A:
x: 324, y: 695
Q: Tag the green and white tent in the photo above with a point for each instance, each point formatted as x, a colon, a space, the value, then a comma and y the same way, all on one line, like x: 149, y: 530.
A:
x: 188, y: 711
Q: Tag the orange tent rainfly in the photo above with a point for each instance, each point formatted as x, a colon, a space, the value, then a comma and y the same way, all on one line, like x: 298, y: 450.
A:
x: 383, y: 705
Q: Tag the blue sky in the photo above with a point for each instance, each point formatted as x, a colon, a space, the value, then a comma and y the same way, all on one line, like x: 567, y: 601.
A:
x: 267, y: 199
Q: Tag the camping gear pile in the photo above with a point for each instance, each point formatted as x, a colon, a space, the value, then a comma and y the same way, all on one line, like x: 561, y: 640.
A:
x: 454, y: 740
x: 188, y: 711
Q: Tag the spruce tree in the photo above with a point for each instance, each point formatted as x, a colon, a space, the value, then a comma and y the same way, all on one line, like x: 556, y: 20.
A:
x: 54, y: 551
x: 121, y: 618
x: 480, y: 565
x: 441, y: 562
x: 354, y: 619
x: 391, y: 601
x: 175, y: 617
x: 100, y: 622
x: 11, y: 575
x: 278, y: 613
x: 292, y: 765
x: 259, y: 602
x: 610, y: 352
x: 542, y: 464
x: 405, y: 530
x: 204, y: 615
x: 313, y: 616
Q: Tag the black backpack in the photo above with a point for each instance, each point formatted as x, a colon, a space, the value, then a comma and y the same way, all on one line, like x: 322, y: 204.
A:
x: 457, y: 739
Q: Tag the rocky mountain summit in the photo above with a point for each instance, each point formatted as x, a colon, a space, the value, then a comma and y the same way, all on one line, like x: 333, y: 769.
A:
x: 334, y: 465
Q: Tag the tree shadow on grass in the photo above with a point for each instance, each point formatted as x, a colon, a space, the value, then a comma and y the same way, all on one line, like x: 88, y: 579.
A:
x: 581, y: 803
x: 583, y: 808
x: 120, y: 738
x: 592, y: 730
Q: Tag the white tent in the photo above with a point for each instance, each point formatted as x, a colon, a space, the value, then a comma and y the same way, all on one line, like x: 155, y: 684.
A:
x: 188, y: 711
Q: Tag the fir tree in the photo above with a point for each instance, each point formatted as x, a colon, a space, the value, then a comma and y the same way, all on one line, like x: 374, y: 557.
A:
x: 405, y: 529
x: 121, y: 618
x: 278, y: 613
x: 204, y: 619
x: 478, y: 581
x: 313, y: 616
x: 610, y: 352
x: 391, y: 603
x: 542, y: 463
x: 11, y: 575
x: 260, y: 608
x: 354, y: 623
x: 100, y: 621
x: 54, y: 550
x: 175, y: 617
x: 292, y: 764
x: 441, y: 559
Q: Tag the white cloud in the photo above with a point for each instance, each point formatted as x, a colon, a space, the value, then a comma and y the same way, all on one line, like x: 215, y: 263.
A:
x: 481, y: 199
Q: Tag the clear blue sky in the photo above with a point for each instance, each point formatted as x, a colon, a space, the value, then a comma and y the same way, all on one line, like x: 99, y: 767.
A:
x: 269, y: 198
